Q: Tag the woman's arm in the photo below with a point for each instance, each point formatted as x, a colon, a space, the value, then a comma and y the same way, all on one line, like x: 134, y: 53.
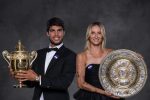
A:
x: 80, y: 74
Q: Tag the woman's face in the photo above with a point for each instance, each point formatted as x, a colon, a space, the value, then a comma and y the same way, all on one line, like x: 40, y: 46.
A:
x: 95, y: 37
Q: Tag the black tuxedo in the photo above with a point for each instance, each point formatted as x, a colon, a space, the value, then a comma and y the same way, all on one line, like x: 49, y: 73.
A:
x: 58, y: 77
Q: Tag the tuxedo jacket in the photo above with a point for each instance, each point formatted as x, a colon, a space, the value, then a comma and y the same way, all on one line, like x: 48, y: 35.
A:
x: 59, y: 75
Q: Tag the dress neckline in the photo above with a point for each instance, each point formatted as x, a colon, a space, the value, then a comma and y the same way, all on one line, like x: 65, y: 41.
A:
x: 91, y: 65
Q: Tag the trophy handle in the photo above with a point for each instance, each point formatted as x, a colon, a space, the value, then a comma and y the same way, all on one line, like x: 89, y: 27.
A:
x: 33, y: 56
x: 6, y: 56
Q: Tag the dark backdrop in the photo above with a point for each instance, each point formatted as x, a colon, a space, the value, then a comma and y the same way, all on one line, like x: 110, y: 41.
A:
x: 127, y: 25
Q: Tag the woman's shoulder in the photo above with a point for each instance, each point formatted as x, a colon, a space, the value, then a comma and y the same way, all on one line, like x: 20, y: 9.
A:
x: 81, y: 59
x: 82, y: 54
x: 108, y: 50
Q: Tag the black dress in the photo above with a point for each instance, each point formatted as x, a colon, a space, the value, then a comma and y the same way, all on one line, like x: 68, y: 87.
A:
x: 91, y: 77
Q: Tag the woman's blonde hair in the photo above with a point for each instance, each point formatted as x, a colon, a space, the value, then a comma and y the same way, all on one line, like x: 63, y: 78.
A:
x: 88, y: 32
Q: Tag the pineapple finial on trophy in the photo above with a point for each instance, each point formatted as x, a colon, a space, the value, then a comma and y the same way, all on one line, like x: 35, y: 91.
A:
x: 19, y: 46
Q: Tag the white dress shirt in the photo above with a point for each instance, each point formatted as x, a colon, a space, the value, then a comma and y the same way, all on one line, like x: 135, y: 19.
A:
x: 48, y: 59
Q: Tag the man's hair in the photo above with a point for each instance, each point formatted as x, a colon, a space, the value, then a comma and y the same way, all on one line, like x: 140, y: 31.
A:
x: 55, y: 21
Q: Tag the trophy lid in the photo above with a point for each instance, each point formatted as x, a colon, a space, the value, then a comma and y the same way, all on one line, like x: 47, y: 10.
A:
x: 19, y: 46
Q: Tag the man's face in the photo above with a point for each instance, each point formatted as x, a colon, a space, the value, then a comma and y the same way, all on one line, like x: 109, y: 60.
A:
x: 55, y: 34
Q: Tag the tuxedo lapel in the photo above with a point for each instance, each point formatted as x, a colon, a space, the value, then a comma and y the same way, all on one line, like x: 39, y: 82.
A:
x: 58, y: 55
x: 42, y: 61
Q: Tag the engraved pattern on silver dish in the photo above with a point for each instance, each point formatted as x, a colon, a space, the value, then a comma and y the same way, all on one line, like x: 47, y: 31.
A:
x: 123, y: 73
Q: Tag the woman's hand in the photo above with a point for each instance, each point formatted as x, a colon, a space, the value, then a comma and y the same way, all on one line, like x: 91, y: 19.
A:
x: 110, y: 95
x: 139, y: 55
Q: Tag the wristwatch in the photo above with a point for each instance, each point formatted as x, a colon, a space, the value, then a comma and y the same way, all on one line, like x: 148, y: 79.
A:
x: 37, y: 78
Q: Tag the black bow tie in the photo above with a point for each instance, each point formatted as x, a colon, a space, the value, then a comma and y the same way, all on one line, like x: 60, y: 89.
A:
x: 51, y: 49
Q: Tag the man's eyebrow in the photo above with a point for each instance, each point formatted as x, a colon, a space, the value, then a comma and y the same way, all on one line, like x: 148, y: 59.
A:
x: 60, y: 29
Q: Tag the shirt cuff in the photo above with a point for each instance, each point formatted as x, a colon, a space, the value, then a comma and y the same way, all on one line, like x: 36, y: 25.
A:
x: 40, y: 79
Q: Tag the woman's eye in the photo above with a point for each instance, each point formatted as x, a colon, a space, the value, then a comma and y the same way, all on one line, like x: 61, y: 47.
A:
x: 92, y: 32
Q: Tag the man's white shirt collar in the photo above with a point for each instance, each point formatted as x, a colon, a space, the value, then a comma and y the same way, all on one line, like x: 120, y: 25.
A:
x: 58, y: 46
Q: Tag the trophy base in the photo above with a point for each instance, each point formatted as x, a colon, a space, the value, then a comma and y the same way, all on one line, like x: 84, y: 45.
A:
x: 20, y: 86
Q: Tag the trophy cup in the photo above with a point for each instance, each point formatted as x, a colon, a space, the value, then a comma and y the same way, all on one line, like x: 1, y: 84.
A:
x: 19, y: 60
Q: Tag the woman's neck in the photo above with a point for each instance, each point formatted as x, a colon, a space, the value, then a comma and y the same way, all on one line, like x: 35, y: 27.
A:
x: 93, y: 48
x: 96, y: 51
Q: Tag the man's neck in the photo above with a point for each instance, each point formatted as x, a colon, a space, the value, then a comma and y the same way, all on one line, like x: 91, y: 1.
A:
x: 57, y: 46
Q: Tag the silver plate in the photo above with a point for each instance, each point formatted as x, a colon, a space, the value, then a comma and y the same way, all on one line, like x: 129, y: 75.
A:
x: 123, y: 73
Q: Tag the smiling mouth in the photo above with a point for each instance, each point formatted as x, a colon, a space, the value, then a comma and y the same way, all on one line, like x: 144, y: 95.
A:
x: 96, y: 39
x: 56, y: 38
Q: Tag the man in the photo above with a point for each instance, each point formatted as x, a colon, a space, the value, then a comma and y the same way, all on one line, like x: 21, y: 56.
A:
x: 54, y: 68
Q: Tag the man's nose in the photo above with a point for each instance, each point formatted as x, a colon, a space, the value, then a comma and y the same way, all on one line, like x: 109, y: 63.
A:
x: 56, y: 33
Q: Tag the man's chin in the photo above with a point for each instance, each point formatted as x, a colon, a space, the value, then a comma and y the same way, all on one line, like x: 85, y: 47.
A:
x: 55, y: 43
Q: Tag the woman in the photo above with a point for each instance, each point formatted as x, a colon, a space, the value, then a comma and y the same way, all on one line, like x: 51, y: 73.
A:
x: 88, y: 63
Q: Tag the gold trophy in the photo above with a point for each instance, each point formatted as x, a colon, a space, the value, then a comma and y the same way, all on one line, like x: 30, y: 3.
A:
x: 19, y: 60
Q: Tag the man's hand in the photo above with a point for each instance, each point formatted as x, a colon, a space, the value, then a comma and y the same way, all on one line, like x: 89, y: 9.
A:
x: 12, y: 73
x: 26, y: 75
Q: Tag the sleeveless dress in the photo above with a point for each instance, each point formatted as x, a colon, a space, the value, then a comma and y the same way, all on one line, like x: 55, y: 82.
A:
x: 91, y: 77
